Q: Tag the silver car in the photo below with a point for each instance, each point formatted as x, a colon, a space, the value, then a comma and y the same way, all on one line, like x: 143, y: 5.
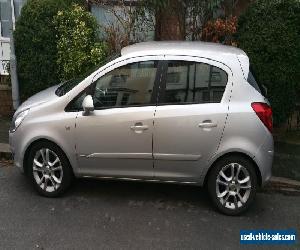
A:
x: 174, y: 112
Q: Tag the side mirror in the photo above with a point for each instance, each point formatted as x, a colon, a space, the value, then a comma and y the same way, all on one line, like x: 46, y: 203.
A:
x: 87, y: 104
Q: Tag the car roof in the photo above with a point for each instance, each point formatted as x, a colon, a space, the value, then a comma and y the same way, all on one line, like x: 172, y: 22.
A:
x: 229, y: 55
x: 184, y: 47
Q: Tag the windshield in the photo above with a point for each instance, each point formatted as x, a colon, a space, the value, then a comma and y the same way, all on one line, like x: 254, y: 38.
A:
x: 66, y: 86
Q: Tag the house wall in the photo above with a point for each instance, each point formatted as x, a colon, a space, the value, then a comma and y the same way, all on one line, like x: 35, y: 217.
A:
x: 4, y: 55
x: 6, y: 108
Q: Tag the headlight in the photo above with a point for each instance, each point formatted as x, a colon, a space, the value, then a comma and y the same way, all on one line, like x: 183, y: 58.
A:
x: 17, y: 120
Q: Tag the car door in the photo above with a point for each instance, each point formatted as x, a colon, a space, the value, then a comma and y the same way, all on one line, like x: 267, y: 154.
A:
x: 115, y: 140
x: 189, y: 118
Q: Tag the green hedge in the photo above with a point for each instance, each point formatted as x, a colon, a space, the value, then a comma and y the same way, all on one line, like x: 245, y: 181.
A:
x: 78, y: 45
x: 269, y: 32
x: 35, y: 42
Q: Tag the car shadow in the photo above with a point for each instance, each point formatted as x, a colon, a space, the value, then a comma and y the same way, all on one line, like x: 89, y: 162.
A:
x: 129, y: 189
x: 125, y: 191
x: 159, y: 195
x: 134, y: 194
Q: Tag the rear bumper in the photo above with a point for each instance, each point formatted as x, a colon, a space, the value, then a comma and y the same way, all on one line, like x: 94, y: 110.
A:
x: 264, y: 159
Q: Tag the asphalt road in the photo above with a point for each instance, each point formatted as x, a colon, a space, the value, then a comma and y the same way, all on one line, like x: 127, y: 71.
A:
x: 124, y: 215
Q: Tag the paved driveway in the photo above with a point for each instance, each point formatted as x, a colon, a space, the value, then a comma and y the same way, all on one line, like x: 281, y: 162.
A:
x: 114, y: 215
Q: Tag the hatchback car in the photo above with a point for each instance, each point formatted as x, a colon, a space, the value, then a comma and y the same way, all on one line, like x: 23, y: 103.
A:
x: 174, y: 112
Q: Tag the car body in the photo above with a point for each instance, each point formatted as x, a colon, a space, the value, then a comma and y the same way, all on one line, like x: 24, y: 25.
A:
x: 162, y: 111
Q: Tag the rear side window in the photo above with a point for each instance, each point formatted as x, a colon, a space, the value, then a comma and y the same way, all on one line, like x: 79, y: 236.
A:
x: 253, y: 82
x: 192, y: 82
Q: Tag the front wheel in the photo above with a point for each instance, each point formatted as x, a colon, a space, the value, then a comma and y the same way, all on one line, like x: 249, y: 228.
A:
x: 232, y: 184
x: 49, y: 169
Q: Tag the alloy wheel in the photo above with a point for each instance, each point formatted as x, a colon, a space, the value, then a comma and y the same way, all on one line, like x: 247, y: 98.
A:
x: 233, y: 186
x: 47, y: 170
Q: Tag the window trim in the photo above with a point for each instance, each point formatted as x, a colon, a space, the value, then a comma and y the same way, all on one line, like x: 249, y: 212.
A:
x: 154, y: 94
x: 162, y: 89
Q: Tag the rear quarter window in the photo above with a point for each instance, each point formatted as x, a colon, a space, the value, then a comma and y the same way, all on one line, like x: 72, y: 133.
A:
x: 252, y: 80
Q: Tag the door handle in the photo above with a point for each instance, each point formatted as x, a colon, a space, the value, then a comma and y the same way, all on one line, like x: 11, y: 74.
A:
x: 207, y: 124
x: 139, y: 127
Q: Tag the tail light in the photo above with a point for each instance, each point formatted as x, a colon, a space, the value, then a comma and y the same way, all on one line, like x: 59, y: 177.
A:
x: 264, y: 112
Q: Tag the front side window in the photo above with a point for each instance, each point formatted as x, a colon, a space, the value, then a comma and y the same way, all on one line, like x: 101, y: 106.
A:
x: 128, y: 85
x: 192, y: 82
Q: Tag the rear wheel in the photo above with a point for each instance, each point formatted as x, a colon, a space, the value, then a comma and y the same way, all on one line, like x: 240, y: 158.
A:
x: 49, y: 169
x: 232, y: 184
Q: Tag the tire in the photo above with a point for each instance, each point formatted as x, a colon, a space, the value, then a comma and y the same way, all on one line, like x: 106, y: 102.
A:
x: 49, y: 169
x: 232, y: 196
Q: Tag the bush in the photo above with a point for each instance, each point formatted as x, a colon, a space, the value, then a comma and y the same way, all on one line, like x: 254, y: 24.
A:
x: 269, y: 33
x: 78, y: 47
x: 35, y: 42
x: 220, y: 31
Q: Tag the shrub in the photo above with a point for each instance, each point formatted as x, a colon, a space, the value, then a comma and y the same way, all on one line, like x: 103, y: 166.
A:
x: 78, y: 46
x: 269, y: 33
x: 220, y: 31
x: 35, y: 42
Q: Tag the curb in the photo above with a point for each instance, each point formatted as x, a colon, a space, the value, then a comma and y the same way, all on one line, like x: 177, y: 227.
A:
x: 5, y: 156
x: 287, y: 142
x: 285, y: 156
x: 275, y: 183
x: 5, y: 152
x: 284, y: 185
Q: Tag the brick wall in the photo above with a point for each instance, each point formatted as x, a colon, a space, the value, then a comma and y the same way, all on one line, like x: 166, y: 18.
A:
x: 6, y: 108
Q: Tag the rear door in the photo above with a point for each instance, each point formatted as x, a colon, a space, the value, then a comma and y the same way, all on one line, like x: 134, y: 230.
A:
x: 190, y: 117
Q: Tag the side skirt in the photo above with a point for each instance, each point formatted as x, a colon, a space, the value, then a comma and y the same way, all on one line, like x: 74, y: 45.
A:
x: 140, y: 180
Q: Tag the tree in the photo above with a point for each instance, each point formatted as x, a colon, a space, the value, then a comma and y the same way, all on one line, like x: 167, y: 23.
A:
x: 35, y: 43
x: 171, y: 19
x: 179, y: 19
x: 78, y: 47
x: 269, y: 32
x: 199, y: 14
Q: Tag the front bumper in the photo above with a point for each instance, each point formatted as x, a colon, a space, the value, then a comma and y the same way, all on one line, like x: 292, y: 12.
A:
x: 15, y: 148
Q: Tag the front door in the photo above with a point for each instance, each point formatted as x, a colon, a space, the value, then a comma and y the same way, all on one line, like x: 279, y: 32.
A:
x: 189, y: 119
x: 115, y: 140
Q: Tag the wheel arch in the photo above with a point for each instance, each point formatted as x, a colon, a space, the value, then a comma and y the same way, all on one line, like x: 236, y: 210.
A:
x: 240, y: 154
x: 29, y: 147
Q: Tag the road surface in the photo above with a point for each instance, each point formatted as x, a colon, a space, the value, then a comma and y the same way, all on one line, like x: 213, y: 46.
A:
x: 125, y: 215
